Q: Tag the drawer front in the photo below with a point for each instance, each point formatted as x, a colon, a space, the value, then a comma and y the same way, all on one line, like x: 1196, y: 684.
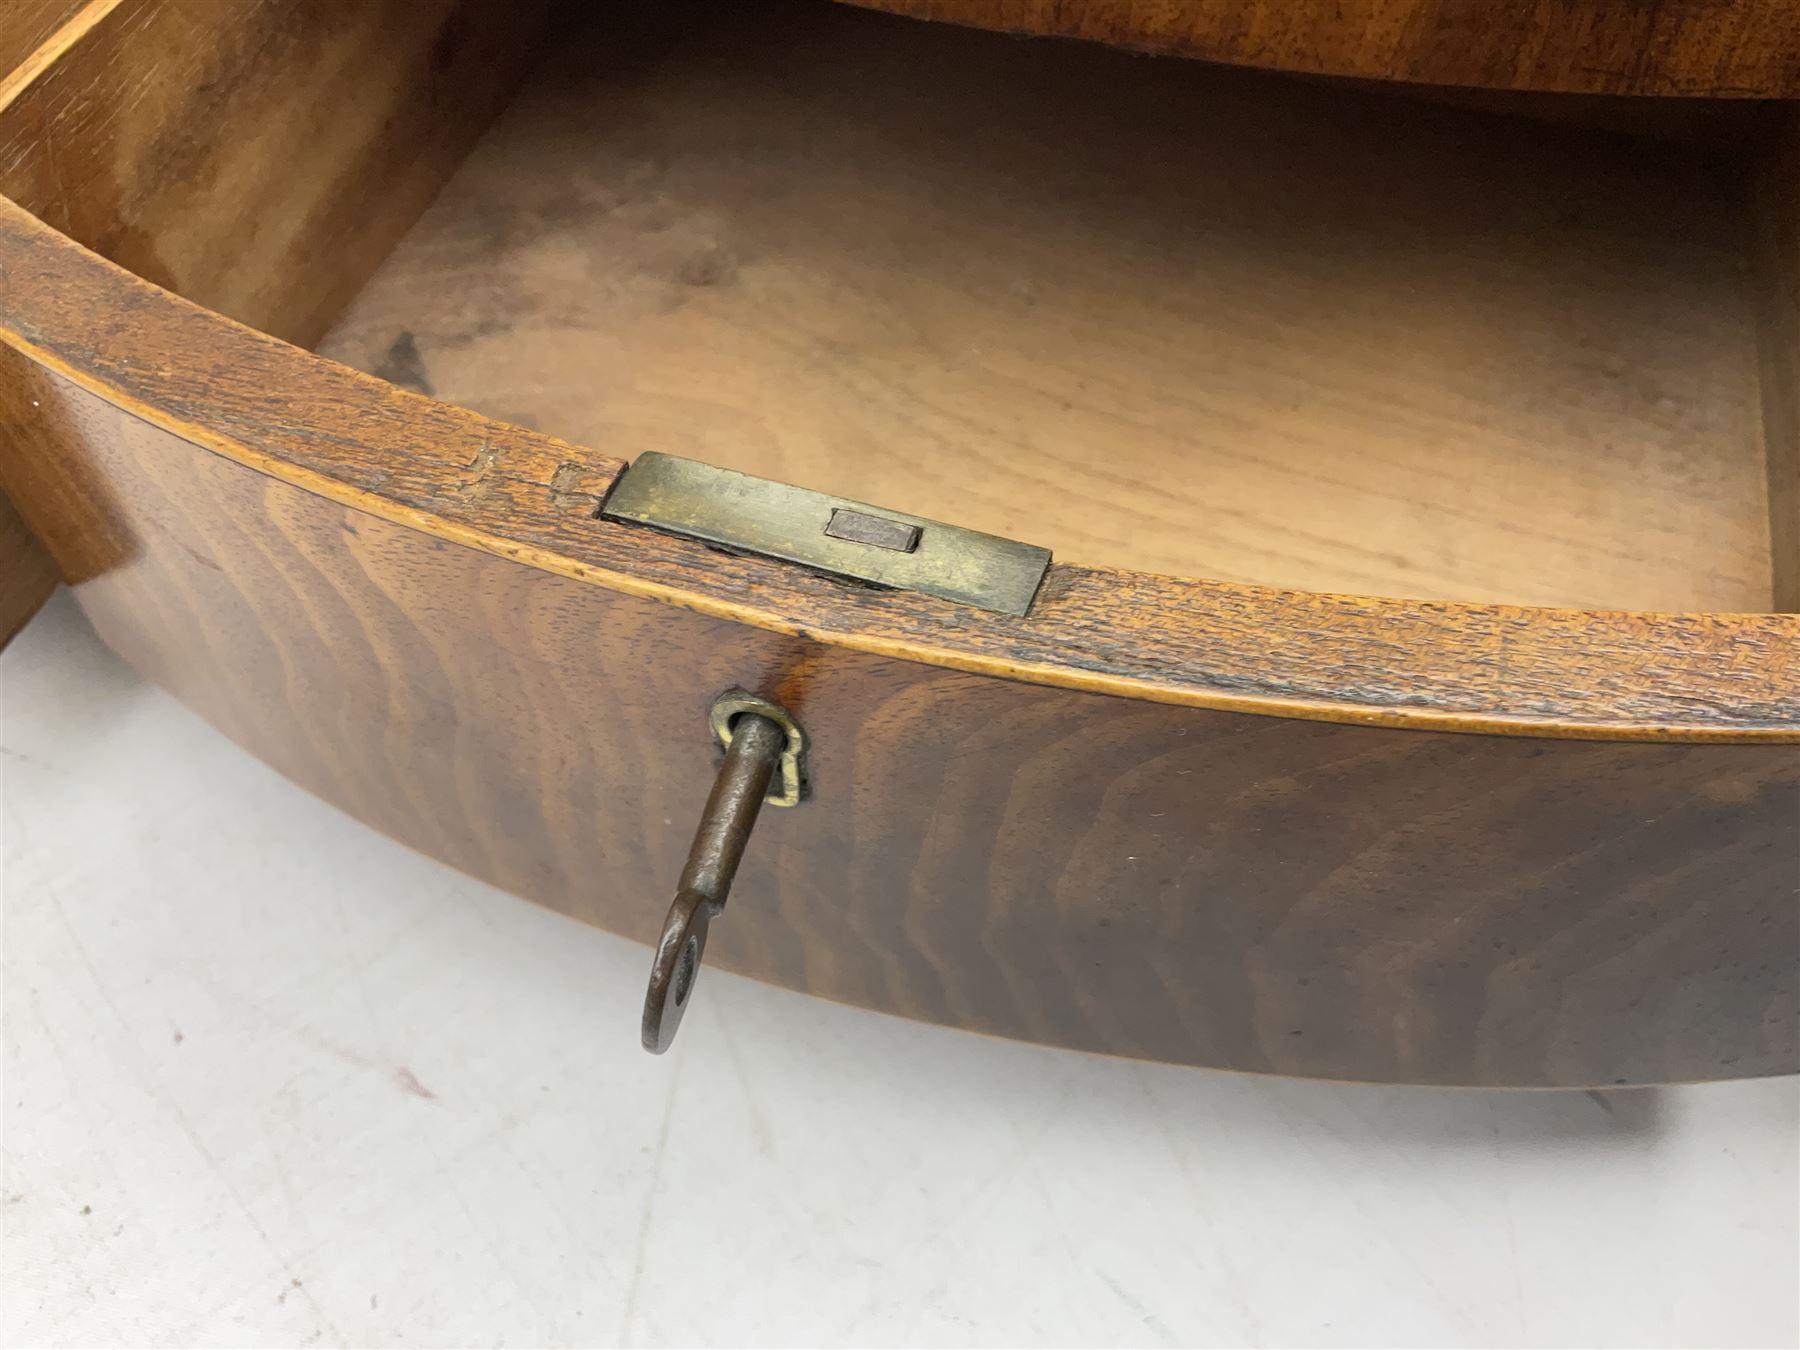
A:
x: 1208, y: 823
x: 1188, y: 884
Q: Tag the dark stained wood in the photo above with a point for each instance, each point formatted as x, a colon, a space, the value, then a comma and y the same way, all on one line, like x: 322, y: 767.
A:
x: 1183, y: 883
x: 1475, y: 668
x: 1777, y: 285
x: 1725, y: 127
x: 1711, y: 48
x: 29, y: 30
x: 261, y: 156
x: 27, y: 575
x: 1368, y: 363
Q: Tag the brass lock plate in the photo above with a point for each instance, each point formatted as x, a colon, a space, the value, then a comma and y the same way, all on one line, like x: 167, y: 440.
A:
x: 833, y: 534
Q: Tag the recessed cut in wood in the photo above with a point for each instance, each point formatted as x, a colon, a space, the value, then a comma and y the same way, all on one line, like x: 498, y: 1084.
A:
x: 860, y: 527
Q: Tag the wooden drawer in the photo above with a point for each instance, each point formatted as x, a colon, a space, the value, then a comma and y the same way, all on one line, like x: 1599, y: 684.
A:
x: 1413, y: 696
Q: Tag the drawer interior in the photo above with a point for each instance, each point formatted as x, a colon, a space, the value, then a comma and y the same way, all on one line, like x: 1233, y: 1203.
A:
x: 1151, y: 313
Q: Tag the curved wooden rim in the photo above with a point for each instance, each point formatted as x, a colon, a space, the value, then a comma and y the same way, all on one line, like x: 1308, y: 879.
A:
x: 1740, y: 50
x: 1495, y: 669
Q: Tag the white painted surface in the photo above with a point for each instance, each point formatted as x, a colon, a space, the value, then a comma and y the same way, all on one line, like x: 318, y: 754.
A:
x: 273, y: 1080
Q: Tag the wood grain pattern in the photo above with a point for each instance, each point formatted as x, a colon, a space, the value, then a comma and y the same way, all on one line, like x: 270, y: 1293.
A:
x: 1356, y: 346
x: 1202, y: 821
x: 27, y: 25
x: 1183, y: 883
x: 1711, y: 48
x: 1475, y: 668
x: 28, y: 33
x: 27, y: 575
x: 1778, y: 294
x: 258, y: 157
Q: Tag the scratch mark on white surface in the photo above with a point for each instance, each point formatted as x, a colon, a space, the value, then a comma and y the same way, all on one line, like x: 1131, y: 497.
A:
x: 1506, y: 1210
x: 649, y: 1217
x: 759, y: 1127
x: 24, y: 758
x: 553, y: 1200
x: 354, y: 972
x: 401, y: 1075
x: 503, y: 1254
x: 1231, y: 1280
x: 1152, y: 1323
x: 153, y: 1082
x: 1379, y: 1233
x: 409, y: 1082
